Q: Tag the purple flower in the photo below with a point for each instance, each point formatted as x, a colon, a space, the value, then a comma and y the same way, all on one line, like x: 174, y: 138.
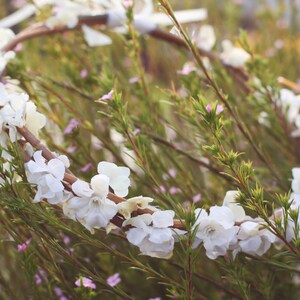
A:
x: 22, y: 247
x: 38, y: 279
x: 135, y: 132
x: 113, y: 280
x: 40, y: 276
x: 19, y: 47
x: 86, y: 282
x: 172, y: 172
x: 219, y: 109
x: 208, y: 108
x: 71, y: 126
x: 133, y: 80
x: 58, y: 292
x: 72, y: 149
x: 84, y: 73
x: 66, y: 239
x: 108, y: 96
x: 197, y: 198
x: 174, y: 190
x: 187, y: 69
x: 86, y: 167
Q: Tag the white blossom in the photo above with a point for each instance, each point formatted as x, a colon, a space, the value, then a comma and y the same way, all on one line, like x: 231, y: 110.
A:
x: 16, y: 110
x: 5, y: 58
x: 233, y: 56
x: 95, y: 38
x: 118, y: 177
x: 216, y: 230
x: 290, y: 104
x: 237, y: 210
x: 34, y: 120
x: 254, y: 238
x: 91, y: 206
x: 48, y: 177
x: 6, y: 35
x: 152, y: 233
x: 204, y: 37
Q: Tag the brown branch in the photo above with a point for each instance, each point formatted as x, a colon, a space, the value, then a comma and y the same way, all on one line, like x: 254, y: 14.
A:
x: 70, y: 178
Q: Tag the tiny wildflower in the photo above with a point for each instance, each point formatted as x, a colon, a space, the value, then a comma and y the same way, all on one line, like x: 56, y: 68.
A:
x: 85, y: 282
x: 113, y: 280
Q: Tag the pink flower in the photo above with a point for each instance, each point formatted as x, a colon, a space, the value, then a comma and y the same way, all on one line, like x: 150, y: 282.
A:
x: 38, y: 279
x: 174, y: 190
x: 208, y: 108
x: 157, y: 298
x: 113, y: 280
x: 19, y: 47
x: 59, y: 293
x: 108, y: 96
x: 66, y: 239
x: 72, y: 149
x: 71, y: 126
x: 197, y: 198
x: 187, y: 69
x: 86, y: 167
x: 133, y: 80
x: 135, y: 132
x: 84, y: 73
x: 219, y: 109
x: 40, y: 276
x: 172, y: 172
x: 86, y: 282
x: 22, y: 247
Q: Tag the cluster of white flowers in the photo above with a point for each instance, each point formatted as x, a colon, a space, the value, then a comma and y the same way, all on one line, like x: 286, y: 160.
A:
x: 17, y: 111
x: 227, y: 227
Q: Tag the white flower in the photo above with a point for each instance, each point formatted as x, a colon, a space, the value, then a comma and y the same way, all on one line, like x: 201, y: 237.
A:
x: 6, y: 35
x: 118, y: 177
x: 204, y: 37
x: 254, y: 239
x: 236, y: 208
x: 133, y: 204
x: 233, y: 56
x: 91, y: 206
x: 12, y: 113
x: 95, y: 38
x: 48, y: 177
x: 63, y: 18
x: 216, y: 230
x: 291, y: 104
x: 296, y: 180
x: 34, y: 120
x: 152, y: 233
x: 17, y: 111
x: 5, y: 58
